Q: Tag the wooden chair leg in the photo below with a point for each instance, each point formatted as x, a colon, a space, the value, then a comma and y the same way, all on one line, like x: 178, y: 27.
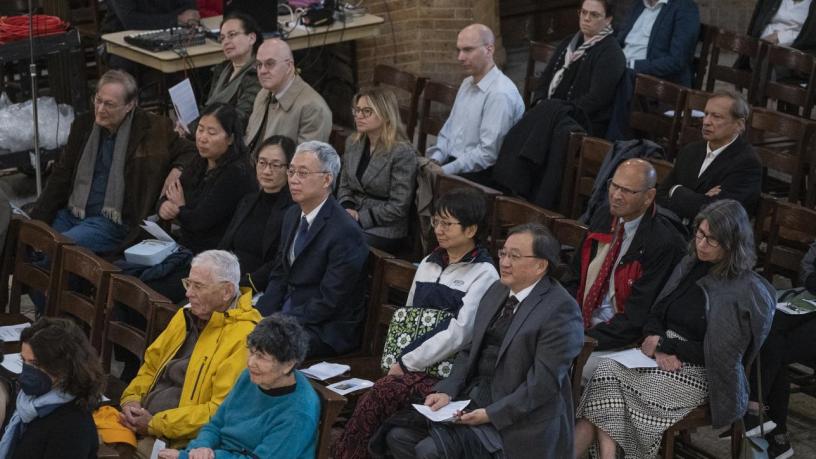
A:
x: 668, y: 444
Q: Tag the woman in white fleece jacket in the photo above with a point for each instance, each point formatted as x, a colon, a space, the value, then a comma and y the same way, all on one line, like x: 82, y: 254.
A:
x: 452, y: 278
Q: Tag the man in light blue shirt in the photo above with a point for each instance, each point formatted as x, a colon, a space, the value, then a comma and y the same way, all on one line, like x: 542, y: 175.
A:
x: 487, y: 105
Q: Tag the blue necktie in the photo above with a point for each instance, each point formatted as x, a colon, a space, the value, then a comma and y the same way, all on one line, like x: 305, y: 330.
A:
x: 300, y: 238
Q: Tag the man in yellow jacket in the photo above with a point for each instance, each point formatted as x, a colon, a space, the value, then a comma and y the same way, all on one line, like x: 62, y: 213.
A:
x: 191, y: 367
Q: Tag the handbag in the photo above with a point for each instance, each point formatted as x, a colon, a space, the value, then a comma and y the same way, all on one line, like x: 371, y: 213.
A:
x: 409, y: 324
x: 756, y: 447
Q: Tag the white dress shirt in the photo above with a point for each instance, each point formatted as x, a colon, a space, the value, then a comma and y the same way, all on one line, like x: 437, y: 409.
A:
x: 636, y: 43
x: 523, y: 294
x: 788, y: 21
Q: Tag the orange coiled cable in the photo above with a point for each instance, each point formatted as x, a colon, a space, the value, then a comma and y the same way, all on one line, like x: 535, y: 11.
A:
x: 16, y: 27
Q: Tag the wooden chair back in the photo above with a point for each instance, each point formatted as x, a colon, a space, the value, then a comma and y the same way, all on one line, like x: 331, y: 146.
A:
x: 702, y: 54
x: 574, y: 143
x: 790, y: 96
x: 662, y: 168
x: 539, y: 52
x: 131, y: 294
x: 163, y: 313
x: 82, y: 289
x: 591, y: 157
x: 742, y: 45
x: 36, y: 262
x: 509, y: 212
x: 648, y: 118
x: 762, y: 224
x: 578, y: 368
x: 405, y: 81
x: 445, y: 183
x: 691, y: 123
x: 396, y: 280
x: 375, y: 267
x: 791, y: 232
x: 431, y: 123
x: 570, y: 233
x: 331, y: 403
x: 791, y: 158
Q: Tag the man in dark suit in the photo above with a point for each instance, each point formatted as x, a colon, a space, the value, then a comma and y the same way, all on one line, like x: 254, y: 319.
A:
x: 722, y: 166
x: 526, y: 333
x: 658, y: 38
x: 320, y: 274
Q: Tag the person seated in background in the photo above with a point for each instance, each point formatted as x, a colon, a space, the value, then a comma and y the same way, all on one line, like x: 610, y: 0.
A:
x: 626, y: 257
x: 487, y: 105
x: 712, y: 296
x: 286, y: 105
x: 378, y: 176
x: 586, y: 67
x: 60, y: 386
x: 272, y: 411
x: 659, y: 38
x: 254, y: 233
x: 516, y: 371
x: 148, y: 14
x: 452, y: 279
x: 194, y: 363
x: 110, y: 174
x: 319, y: 276
x: 790, y: 23
x: 721, y: 166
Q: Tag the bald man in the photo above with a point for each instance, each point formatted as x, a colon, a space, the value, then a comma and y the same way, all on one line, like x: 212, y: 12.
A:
x: 286, y: 105
x: 640, y: 248
x: 487, y: 105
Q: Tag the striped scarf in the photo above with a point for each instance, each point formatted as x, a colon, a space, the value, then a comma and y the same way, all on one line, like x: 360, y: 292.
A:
x: 573, y: 55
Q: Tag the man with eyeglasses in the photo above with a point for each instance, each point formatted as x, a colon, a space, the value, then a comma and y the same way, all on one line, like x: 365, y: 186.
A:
x: 286, y: 105
x: 319, y: 277
x: 626, y: 257
x: 487, y: 105
x: 516, y: 370
x: 112, y: 170
x: 192, y: 365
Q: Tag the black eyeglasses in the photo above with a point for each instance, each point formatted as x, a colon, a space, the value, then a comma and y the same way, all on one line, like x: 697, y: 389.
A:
x: 700, y: 236
x: 627, y: 191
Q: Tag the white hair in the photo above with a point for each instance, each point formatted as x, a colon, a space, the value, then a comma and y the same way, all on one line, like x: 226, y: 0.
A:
x: 326, y: 154
x: 223, y: 265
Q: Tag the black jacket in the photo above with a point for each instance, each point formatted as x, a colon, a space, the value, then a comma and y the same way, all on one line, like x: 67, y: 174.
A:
x: 68, y: 432
x: 737, y: 170
x: 253, y: 274
x: 590, y: 83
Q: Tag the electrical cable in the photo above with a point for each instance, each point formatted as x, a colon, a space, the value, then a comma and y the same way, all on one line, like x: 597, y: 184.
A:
x: 14, y: 28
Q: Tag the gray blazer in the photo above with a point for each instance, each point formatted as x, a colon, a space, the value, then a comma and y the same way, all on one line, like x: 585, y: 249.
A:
x: 383, y: 196
x: 532, y: 406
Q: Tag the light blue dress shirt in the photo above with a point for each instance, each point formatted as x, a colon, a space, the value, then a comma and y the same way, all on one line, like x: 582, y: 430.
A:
x: 636, y: 44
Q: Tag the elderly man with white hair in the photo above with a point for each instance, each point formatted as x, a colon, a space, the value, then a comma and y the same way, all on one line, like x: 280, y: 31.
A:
x: 191, y: 367
x: 319, y: 277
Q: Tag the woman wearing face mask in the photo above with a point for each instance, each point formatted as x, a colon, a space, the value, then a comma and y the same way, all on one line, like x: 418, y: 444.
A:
x: 60, y: 386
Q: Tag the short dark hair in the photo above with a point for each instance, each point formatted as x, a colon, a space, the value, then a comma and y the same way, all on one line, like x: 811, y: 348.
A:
x: 280, y: 336
x: 250, y: 25
x: 544, y: 243
x: 609, y: 6
x: 466, y: 205
x: 285, y: 143
x: 63, y: 351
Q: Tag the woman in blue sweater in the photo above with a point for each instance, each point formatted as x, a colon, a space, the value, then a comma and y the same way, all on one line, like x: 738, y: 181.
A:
x: 272, y: 411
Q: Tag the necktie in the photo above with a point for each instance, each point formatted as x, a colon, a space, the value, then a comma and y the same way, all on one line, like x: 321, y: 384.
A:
x: 510, y: 306
x: 601, y: 284
x: 300, y: 238
x: 259, y: 137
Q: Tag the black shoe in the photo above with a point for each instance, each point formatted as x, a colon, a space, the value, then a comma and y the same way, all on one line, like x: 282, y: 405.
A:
x: 752, y: 429
x: 779, y: 446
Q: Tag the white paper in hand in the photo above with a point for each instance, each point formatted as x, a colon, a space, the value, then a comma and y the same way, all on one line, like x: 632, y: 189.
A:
x: 156, y: 231
x: 633, y: 358
x: 325, y: 370
x: 184, y: 102
x: 157, y: 446
x: 445, y: 414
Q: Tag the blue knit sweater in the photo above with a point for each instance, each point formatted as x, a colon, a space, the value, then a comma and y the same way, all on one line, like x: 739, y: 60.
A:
x: 250, y: 423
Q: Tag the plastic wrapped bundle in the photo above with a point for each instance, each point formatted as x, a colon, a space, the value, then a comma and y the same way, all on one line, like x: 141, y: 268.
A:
x: 17, y: 127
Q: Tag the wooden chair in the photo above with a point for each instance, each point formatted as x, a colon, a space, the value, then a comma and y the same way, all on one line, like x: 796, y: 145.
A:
x: 331, y: 403
x: 648, y: 118
x: 570, y: 233
x: 539, y: 52
x: 9, y: 250
x: 130, y: 293
x: 36, y: 272
x: 791, y: 232
x: 578, y: 368
x: 445, y: 183
x: 591, y: 157
x: 790, y: 159
x: 570, y: 164
x: 662, y: 167
x: 405, y: 81
x: 691, y: 123
x: 430, y: 123
x: 162, y: 314
x: 376, y: 259
x: 82, y: 290
x: 700, y: 61
x: 742, y: 45
x: 509, y: 212
x: 790, y: 96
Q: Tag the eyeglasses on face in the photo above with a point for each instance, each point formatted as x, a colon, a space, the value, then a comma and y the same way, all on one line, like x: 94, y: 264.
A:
x: 437, y: 222
x: 513, y: 256
x: 302, y: 174
x: 262, y: 164
x: 364, y: 112
x: 189, y: 284
x: 626, y: 191
x: 700, y: 236
x: 229, y: 36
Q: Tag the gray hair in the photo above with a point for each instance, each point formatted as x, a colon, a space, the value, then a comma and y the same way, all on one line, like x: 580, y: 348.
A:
x: 545, y: 245
x: 224, y: 266
x: 326, y: 154
x: 740, y: 108
x: 120, y: 77
x: 728, y: 223
x: 280, y: 336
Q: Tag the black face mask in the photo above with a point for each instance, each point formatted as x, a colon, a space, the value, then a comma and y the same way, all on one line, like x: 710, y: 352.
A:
x: 33, y: 381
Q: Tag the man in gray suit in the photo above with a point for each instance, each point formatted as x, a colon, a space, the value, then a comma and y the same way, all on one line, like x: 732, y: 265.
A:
x: 526, y: 334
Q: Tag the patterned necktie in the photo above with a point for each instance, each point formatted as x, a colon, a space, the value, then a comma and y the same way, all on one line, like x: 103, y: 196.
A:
x: 601, y: 284
x: 300, y: 238
x: 510, y: 306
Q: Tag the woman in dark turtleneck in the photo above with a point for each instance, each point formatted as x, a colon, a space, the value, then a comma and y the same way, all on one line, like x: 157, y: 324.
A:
x: 254, y: 231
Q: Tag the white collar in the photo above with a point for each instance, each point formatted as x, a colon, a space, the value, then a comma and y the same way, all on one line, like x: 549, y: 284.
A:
x: 280, y: 93
x: 716, y: 152
x: 310, y: 217
x: 525, y: 292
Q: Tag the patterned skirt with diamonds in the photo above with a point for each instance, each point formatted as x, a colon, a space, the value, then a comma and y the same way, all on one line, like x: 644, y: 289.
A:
x: 636, y: 405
